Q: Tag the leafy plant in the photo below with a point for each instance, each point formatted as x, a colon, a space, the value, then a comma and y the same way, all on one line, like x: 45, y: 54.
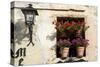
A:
x: 64, y: 43
x: 80, y: 42
x: 68, y: 26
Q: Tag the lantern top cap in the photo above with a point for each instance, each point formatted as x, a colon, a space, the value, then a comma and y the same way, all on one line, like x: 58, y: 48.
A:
x: 30, y: 8
x: 30, y: 5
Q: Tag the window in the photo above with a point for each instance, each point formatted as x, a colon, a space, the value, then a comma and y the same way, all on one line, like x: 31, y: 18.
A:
x: 72, y: 50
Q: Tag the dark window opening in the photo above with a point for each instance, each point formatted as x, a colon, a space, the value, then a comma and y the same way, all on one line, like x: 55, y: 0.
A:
x: 72, y: 50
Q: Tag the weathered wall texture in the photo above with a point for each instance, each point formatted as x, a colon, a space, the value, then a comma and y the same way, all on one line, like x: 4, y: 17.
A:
x: 43, y: 30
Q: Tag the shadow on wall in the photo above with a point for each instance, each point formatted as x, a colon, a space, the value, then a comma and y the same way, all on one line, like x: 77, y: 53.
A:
x: 20, y: 31
x: 51, y: 37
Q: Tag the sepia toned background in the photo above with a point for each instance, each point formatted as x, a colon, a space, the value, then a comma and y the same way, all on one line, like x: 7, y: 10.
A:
x: 44, y: 31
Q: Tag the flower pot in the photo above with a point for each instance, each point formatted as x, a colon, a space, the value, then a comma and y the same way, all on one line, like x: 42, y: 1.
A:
x: 80, y: 51
x: 64, y: 52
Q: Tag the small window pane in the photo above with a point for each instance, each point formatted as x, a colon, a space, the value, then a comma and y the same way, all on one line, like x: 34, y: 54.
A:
x: 29, y: 17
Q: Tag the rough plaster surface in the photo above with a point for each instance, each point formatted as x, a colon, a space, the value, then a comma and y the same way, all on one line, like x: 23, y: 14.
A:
x: 44, y: 51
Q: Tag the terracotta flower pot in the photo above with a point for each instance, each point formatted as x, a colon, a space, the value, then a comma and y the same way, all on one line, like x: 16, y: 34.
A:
x: 64, y: 52
x: 80, y: 51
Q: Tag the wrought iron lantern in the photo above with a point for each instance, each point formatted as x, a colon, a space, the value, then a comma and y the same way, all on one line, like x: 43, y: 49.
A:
x: 29, y: 14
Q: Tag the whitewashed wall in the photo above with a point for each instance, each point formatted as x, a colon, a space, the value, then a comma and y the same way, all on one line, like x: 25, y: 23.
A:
x: 41, y: 53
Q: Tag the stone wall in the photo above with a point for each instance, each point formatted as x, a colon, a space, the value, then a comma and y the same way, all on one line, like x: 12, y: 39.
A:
x: 44, y: 31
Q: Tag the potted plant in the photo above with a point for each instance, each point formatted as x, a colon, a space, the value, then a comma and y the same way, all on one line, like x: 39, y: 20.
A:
x: 81, y: 44
x: 64, y: 47
x: 67, y: 28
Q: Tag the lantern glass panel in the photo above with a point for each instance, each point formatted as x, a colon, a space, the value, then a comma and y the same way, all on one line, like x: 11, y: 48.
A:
x: 29, y: 17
